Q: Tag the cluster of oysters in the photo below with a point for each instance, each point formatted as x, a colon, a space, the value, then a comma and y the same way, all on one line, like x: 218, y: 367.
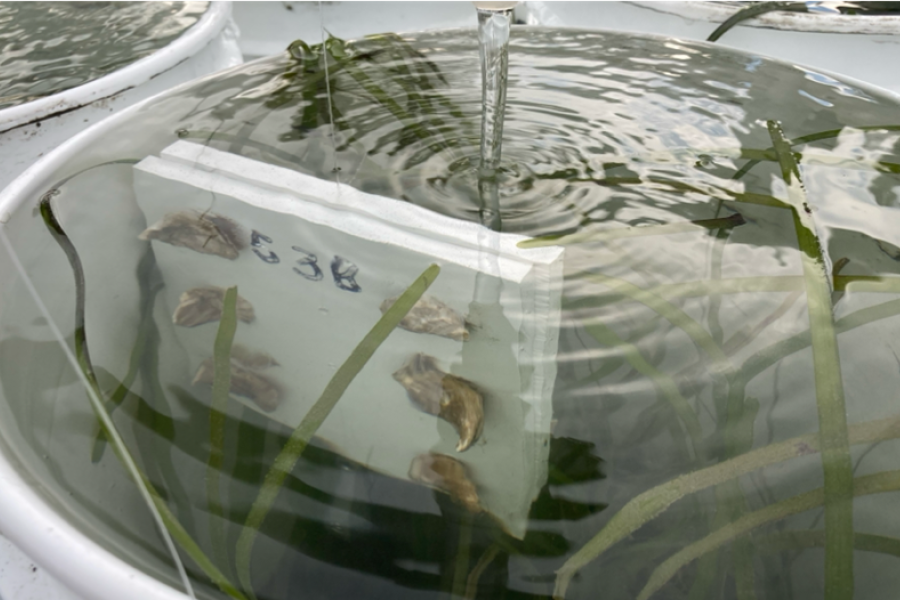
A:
x: 210, y: 233
x: 434, y: 391
x: 449, y: 397
x: 200, y: 305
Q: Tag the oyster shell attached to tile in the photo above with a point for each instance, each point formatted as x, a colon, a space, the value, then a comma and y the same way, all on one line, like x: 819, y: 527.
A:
x: 201, y: 305
x: 451, y: 398
x: 448, y: 475
x: 203, y: 232
x: 246, y: 380
x: 430, y: 315
x: 252, y: 359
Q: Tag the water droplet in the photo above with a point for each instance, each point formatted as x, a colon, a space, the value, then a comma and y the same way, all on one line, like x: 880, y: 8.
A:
x: 181, y: 133
x: 323, y: 310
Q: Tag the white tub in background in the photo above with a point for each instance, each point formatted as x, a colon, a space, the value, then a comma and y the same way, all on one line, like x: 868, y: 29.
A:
x: 84, y: 569
x: 857, y: 46
x: 268, y: 27
x: 29, y: 130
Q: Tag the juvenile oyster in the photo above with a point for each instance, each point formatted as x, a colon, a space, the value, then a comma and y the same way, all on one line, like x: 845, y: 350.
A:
x: 204, y: 232
x: 246, y: 380
x: 447, y: 475
x: 201, y: 305
x: 252, y: 359
x: 430, y: 315
x: 449, y: 397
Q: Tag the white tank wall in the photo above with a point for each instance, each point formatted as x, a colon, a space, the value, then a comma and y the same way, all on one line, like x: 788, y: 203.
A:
x: 50, y: 121
x: 814, y: 40
x: 268, y: 27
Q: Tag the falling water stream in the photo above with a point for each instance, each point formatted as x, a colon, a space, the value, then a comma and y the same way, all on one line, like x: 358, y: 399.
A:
x: 493, y: 45
x: 493, y: 40
x: 493, y: 48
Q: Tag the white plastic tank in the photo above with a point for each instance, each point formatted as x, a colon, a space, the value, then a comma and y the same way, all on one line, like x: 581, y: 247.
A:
x: 268, y: 27
x: 30, y: 129
x: 852, y: 45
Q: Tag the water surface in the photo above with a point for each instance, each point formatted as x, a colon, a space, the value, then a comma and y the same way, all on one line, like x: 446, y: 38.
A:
x: 50, y: 47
